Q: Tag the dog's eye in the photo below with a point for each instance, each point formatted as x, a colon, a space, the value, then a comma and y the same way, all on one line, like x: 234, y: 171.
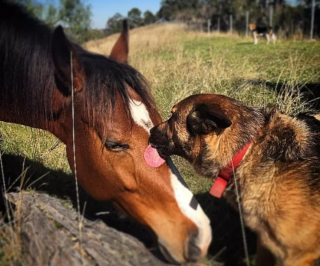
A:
x: 116, y: 146
x: 174, y: 116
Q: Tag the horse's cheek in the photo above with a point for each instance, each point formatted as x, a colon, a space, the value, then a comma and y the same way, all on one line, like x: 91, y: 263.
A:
x: 125, y: 169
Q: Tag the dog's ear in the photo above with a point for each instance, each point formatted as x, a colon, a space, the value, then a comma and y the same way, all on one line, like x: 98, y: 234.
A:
x: 207, y: 118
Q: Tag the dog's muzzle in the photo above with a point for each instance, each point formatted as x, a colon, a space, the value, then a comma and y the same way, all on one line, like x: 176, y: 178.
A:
x: 158, y: 139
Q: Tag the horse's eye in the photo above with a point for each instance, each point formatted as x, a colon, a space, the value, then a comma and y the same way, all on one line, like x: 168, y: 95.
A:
x: 116, y: 146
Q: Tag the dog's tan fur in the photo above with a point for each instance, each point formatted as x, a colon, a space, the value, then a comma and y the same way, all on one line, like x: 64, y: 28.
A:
x: 279, y: 177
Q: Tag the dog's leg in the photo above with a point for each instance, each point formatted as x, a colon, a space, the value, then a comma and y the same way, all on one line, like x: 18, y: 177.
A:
x: 255, y: 37
x: 268, y: 38
x: 274, y: 38
x: 264, y: 255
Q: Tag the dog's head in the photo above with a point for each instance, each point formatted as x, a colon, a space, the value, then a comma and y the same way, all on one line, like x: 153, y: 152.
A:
x: 252, y: 26
x: 207, y: 130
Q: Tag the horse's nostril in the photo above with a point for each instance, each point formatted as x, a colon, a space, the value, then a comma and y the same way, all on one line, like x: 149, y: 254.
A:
x: 193, y: 252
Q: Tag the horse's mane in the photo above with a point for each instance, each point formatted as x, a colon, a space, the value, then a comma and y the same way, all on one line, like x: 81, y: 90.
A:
x: 27, y: 71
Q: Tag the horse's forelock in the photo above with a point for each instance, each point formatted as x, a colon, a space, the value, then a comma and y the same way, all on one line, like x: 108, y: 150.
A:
x: 105, y: 79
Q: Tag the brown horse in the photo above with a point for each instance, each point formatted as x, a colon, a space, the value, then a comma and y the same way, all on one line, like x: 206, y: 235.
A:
x: 114, y: 112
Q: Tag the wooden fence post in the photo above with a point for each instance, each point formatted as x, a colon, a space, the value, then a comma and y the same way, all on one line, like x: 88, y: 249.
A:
x: 313, y: 4
x: 247, y: 23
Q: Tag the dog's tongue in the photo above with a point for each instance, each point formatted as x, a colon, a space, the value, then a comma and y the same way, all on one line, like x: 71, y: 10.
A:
x: 152, y: 157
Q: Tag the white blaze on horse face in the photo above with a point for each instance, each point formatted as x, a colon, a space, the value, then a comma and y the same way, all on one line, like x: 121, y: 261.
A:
x: 185, y: 199
x: 140, y: 115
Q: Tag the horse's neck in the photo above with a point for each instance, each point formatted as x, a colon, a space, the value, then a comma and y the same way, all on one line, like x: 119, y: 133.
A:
x: 26, y: 69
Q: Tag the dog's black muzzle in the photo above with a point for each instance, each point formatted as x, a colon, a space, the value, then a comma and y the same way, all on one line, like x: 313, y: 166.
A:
x: 160, y: 141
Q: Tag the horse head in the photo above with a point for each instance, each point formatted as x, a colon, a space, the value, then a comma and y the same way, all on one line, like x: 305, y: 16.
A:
x: 113, y: 113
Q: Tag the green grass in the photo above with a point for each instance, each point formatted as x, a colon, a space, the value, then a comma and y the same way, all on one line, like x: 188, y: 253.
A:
x: 234, y: 67
x: 268, y: 61
x: 189, y: 64
x: 34, y: 144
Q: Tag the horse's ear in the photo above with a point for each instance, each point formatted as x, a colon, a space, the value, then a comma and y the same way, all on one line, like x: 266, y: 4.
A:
x: 65, y: 57
x: 120, y: 50
x: 207, y: 118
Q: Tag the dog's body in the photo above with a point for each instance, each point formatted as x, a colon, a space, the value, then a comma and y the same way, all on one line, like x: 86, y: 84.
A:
x: 278, y: 177
x: 262, y: 31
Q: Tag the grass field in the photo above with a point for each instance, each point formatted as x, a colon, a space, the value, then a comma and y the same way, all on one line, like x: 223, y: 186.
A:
x: 178, y: 63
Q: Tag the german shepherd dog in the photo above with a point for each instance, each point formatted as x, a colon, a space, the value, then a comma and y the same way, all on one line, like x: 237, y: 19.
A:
x: 273, y: 157
x: 262, y: 30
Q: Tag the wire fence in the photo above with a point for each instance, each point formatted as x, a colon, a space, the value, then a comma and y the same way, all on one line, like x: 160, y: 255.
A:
x: 298, y: 23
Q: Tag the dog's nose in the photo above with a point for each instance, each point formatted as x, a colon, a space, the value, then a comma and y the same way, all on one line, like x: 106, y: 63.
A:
x: 154, y: 130
x: 154, y: 137
x: 193, y: 252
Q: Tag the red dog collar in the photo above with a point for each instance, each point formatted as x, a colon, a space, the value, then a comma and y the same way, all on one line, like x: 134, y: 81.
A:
x: 226, y: 173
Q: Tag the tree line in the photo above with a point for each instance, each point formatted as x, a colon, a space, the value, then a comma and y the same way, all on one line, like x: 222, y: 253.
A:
x: 288, y: 17
x: 135, y: 17
x: 74, y: 15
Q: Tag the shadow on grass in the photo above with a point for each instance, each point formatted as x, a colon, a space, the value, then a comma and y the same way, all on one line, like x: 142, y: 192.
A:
x: 310, y: 92
x: 62, y: 185
x: 227, y: 245
x: 245, y: 43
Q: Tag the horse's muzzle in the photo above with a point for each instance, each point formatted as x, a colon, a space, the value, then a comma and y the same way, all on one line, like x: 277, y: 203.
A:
x: 193, y: 252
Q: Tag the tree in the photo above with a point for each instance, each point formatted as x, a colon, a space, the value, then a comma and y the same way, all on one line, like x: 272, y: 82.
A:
x: 134, y: 15
x: 168, y: 9
x: 51, y: 15
x: 32, y: 7
x: 149, y: 18
x: 172, y: 9
x: 114, y: 24
x: 76, y: 15
x: 73, y: 14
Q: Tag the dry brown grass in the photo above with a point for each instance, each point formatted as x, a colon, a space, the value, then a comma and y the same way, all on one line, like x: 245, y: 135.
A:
x: 10, y: 226
x: 144, y: 39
